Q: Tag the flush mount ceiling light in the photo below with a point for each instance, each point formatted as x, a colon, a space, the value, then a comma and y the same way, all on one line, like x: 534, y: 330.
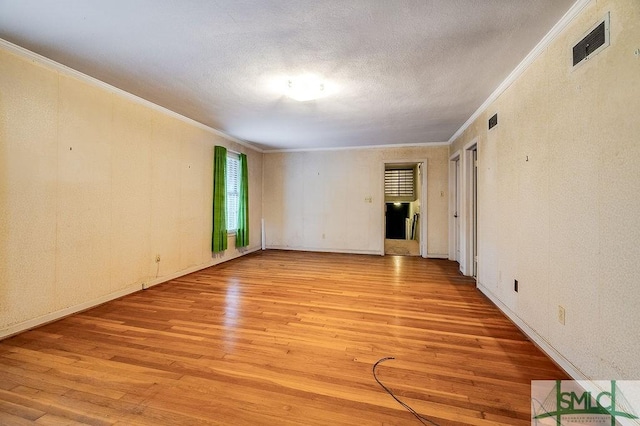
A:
x: 305, y: 88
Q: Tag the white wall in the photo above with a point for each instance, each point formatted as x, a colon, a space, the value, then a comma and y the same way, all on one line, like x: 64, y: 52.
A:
x: 559, y: 197
x: 316, y: 200
x: 94, y: 184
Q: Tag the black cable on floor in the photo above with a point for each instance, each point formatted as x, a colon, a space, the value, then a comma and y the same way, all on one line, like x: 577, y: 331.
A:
x: 418, y: 416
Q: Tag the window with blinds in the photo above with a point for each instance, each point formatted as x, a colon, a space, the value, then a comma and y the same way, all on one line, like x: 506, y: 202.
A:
x: 233, y: 191
x: 399, y: 183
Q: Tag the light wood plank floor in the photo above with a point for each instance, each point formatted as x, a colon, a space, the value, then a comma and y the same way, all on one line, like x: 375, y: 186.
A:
x: 284, y: 338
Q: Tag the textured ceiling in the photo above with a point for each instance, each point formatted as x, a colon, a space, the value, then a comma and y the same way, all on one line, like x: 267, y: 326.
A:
x: 400, y: 71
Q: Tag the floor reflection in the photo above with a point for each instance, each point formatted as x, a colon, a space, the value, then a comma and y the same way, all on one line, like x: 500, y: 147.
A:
x: 232, y: 311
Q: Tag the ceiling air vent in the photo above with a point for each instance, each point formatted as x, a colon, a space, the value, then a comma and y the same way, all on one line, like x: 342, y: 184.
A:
x: 596, y: 39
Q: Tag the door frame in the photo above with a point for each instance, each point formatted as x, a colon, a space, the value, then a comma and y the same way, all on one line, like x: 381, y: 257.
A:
x: 468, y: 231
x: 422, y: 196
x: 455, y: 200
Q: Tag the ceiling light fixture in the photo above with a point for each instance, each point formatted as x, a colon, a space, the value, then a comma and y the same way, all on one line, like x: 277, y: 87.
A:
x: 305, y: 88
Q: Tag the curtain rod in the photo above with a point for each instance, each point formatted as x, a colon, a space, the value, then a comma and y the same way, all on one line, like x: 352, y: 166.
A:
x: 231, y: 150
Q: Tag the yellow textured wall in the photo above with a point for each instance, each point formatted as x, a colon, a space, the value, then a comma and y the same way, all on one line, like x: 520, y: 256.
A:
x: 566, y: 222
x: 93, y: 185
x: 315, y: 200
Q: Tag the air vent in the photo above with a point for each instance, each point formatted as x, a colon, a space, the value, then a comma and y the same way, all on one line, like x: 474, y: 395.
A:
x: 596, y: 39
x: 493, y: 121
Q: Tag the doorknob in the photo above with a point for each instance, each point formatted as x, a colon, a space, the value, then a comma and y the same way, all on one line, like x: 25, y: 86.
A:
x: 455, y: 215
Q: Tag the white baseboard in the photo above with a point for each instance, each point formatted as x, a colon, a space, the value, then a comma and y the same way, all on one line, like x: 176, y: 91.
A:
x: 437, y: 256
x: 324, y: 250
x: 54, y: 316
x: 215, y: 261
x: 588, y: 384
x: 538, y: 340
x: 346, y: 251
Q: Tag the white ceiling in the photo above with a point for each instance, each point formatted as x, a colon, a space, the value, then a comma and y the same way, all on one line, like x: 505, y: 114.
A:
x: 404, y: 71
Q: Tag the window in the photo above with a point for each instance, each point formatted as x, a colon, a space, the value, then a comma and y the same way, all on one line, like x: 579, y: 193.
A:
x: 233, y: 191
x: 399, y: 183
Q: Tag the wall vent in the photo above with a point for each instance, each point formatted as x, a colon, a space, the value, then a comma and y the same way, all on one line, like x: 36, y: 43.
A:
x: 597, y: 38
x: 493, y: 121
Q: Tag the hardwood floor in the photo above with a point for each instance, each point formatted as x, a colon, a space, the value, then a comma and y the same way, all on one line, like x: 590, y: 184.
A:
x: 283, y: 338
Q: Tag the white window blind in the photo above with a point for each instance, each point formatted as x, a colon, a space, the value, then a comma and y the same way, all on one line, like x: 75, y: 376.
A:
x: 399, y: 183
x: 233, y: 191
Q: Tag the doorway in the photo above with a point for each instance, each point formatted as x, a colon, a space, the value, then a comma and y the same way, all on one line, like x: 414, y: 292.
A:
x: 474, y: 210
x: 469, y: 225
x: 455, y: 213
x: 463, y: 208
x: 404, y: 204
x: 396, y: 215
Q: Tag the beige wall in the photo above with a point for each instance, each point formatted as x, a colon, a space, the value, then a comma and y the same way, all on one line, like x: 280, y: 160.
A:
x: 93, y: 185
x: 315, y: 200
x: 566, y: 223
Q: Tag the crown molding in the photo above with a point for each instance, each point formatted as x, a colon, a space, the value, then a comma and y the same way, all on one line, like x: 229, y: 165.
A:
x: 525, y: 63
x: 56, y: 66
x: 345, y: 148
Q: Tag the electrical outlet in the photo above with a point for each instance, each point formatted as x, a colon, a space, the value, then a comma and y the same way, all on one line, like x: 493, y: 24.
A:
x: 515, y: 285
x: 561, y: 314
x: 157, y: 258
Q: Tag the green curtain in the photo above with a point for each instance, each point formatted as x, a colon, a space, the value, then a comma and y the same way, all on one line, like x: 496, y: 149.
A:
x: 242, y: 234
x: 219, y: 236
